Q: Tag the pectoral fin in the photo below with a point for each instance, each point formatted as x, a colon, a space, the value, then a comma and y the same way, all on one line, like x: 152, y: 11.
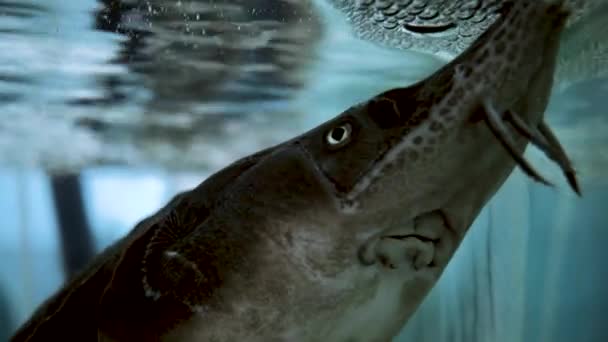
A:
x: 137, y: 303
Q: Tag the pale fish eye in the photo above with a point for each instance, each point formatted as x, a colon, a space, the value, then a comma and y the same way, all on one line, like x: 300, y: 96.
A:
x: 339, y: 135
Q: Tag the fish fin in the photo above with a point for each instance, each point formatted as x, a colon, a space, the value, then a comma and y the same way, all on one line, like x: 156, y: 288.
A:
x: 496, y: 125
x: 142, y: 301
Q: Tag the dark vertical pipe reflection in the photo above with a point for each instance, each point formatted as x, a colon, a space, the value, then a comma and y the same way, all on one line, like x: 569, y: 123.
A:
x: 7, y: 322
x: 75, y: 234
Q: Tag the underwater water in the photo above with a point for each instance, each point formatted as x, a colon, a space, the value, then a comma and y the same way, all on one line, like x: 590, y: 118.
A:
x: 109, y: 108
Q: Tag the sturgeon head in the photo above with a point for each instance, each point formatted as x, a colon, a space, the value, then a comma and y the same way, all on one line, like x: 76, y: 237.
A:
x: 462, y: 130
x: 368, y: 208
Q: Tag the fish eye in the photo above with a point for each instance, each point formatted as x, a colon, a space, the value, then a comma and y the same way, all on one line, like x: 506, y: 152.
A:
x: 339, y: 135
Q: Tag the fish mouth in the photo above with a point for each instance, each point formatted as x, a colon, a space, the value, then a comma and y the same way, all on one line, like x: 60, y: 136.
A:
x: 413, y: 250
x: 421, y: 252
x: 419, y: 220
x: 407, y: 236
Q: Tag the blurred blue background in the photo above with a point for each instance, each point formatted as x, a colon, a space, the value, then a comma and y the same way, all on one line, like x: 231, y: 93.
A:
x: 109, y: 108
